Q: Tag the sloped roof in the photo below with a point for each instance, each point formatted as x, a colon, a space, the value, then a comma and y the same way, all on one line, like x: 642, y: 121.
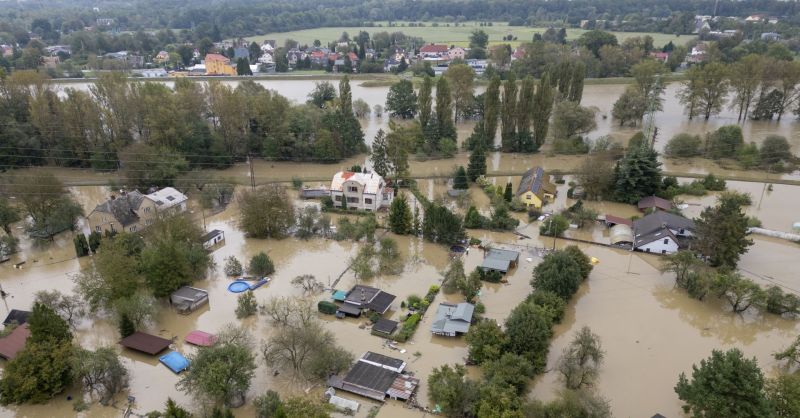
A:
x: 495, y: 264
x: 534, y: 181
x: 503, y: 254
x: 383, y: 360
x: 652, y: 236
x: 17, y: 316
x: 200, y: 338
x: 14, y: 342
x: 369, y: 376
x: 367, y: 297
x: 621, y: 233
x: 658, y: 220
x: 611, y: 219
x: 453, y: 318
x: 146, y: 343
x: 123, y: 208
x: 210, y: 235
x: 654, y: 202
x: 385, y: 326
x: 217, y: 57
x: 431, y: 48
x: 190, y: 293
x: 167, y: 198
x: 371, y: 181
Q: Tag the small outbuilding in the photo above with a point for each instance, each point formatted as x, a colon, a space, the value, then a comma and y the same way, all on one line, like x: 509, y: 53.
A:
x: 377, y: 376
x: 200, y: 338
x: 145, y: 343
x: 188, y: 299
x: 612, y: 221
x: 452, y: 320
x: 500, y: 260
x: 384, y: 327
x: 17, y: 317
x: 14, y: 342
x: 212, y: 238
x: 656, y: 202
x: 621, y: 234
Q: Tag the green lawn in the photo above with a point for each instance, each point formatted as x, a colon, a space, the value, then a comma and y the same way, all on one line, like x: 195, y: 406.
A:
x: 450, y: 35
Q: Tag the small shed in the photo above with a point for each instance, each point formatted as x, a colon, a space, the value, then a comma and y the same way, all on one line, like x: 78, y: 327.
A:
x: 384, y: 327
x: 500, y: 260
x: 212, y: 238
x: 349, y: 310
x: 188, y: 299
x: 494, y: 264
x: 200, y: 338
x: 651, y: 202
x: 621, y: 234
x: 175, y: 361
x: 14, y: 342
x: 501, y: 254
x: 145, y: 343
x: 17, y: 317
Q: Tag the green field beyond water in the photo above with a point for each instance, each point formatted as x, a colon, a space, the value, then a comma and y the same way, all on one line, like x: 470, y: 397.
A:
x: 450, y: 35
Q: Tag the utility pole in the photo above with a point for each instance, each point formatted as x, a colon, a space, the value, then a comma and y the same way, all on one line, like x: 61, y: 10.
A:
x: 650, y: 130
x: 252, y: 173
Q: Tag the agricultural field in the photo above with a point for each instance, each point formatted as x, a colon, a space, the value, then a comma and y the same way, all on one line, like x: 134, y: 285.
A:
x: 451, y: 35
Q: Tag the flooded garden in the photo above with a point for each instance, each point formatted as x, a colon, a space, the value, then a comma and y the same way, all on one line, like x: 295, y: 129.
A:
x: 650, y: 329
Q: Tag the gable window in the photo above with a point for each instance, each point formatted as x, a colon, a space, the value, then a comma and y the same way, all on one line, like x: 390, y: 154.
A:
x: 147, y: 209
x: 666, y: 240
x: 352, y: 189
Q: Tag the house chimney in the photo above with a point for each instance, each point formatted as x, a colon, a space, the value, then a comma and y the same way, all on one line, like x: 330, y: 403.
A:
x: 363, y: 295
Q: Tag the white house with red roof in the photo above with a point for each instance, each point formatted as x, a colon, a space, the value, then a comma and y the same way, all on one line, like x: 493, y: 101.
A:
x: 360, y: 191
x: 433, y: 51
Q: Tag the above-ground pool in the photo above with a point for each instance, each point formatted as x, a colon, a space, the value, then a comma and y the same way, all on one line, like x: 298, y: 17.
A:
x: 238, y: 287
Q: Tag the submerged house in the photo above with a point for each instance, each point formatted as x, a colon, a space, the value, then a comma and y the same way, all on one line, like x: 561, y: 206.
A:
x: 17, y: 317
x: 188, y: 299
x: 535, y: 189
x: 500, y: 260
x: 133, y: 211
x: 212, y: 238
x: 145, y: 343
x: 377, y: 376
x: 361, y: 298
x: 14, y: 342
x: 661, y: 233
x: 360, y: 191
x: 452, y: 320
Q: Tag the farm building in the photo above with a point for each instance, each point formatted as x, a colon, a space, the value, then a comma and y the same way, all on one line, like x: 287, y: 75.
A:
x: 188, y: 299
x: 376, y: 376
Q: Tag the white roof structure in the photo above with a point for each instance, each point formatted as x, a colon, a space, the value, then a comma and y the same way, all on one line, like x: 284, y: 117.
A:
x: 371, y: 181
x: 621, y: 233
x: 167, y: 198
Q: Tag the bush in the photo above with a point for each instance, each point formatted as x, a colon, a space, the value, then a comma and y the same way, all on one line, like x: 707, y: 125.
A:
x: 408, y: 328
x: 774, y: 149
x: 571, y: 146
x: 554, y: 226
x: 297, y: 183
x: 327, y: 203
x: 233, y: 267
x: 328, y: 308
x: 683, y: 146
x: 550, y: 301
x: 490, y: 276
x: 413, y: 301
x: 246, y: 305
x: 725, y: 142
x: 261, y: 265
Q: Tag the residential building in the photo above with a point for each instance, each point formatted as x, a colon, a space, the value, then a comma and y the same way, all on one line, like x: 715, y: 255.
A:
x: 654, y: 202
x: 217, y: 64
x: 534, y: 189
x: 377, y: 376
x: 240, y: 52
x: 660, y: 56
x: 770, y: 36
x: 212, y: 238
x: 661, y: 233
x: 361, y: 298
x: 133, y: 211
x: 452, y: 319
x: 360, y: 191
x: 161, y: 57
x: 433, y: 51
x: 294, y: 55
x: 457, y: 53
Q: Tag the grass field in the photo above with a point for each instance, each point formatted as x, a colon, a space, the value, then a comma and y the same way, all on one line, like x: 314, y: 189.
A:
x: 450, y: 35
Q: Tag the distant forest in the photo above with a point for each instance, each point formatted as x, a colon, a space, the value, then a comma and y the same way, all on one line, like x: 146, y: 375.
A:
x: 234, y: 18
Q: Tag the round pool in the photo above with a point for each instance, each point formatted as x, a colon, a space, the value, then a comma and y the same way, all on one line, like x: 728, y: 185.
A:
x: 238, y: 287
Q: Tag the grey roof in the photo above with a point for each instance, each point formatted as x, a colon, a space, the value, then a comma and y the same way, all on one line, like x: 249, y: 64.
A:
x: 123, y: 208
x: 502, y: 254
x: 367, y: 297
x: 658, y: 220
x: 349, y: 309
x: 533, y: 180
x: 190, y: 293
x: 654, y: 202
x: 17, y: 316
x: 651, y: 236
x: 381, y: 359
x: 370, y: 376
x: 385, y: 326
x: 210, y: 235
x: 495, y: 264
x: 452, y: 319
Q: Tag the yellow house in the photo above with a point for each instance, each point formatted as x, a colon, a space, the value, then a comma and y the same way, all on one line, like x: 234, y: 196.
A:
x: 535, y: 189
x: 217, y: 64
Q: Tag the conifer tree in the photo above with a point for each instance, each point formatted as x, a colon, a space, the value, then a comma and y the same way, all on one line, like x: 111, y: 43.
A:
x: 460, y: 181
x: 477, y: 164
x: 400, y: 220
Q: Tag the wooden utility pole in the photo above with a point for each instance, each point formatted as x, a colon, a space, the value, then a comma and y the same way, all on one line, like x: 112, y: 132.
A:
x: 252, y: 172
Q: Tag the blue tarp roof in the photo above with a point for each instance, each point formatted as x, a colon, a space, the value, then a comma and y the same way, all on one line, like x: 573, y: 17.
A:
x: 175, y: 361
x: 339, y: 295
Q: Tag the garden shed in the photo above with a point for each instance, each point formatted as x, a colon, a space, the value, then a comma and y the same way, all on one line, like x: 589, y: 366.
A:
x: 188, y: 299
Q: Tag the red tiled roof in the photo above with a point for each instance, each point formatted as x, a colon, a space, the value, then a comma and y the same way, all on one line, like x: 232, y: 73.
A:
x: 13, y: 343
x: 611, y: 219
x: 352, y: 56
x: 433, y: 48
x: 347, y: 174
x: 654, y: 202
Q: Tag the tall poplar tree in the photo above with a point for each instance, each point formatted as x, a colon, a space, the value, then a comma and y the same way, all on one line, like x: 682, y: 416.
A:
x: 524, y: 105
x: 542, y: 108
x: 444, y: 109
x: 508, y: 114
x: 424, y: 101
x: 491, y: 109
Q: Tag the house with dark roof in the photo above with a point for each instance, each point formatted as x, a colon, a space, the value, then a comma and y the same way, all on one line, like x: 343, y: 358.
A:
x: 535, y: 189
x: 500, y: 260
x: 661, y: 233
x: 653, y: 202
x: 377, y: 376
x: 452, y: 320
x: 361, y: 298
x: 133, y: 211
x: 17, y: 317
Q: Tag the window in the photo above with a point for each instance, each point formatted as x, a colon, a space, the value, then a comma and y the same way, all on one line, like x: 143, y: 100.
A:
x: 133, y: 228
x: 147, y: 209
x: 666, y: 240
x: 338, y: 198
x: 352, y: 189
x: 97, y: 228
x: 647, y: 250
x: 663, y: 251
x: 367, y: 201
x: 352, y: 200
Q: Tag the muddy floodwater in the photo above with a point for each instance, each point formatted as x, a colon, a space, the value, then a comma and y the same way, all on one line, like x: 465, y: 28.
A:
x: 650, y: 330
